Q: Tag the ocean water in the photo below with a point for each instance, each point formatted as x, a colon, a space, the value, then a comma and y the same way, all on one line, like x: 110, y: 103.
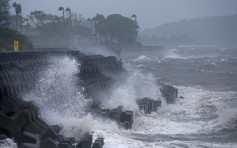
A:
x: 204, y: 117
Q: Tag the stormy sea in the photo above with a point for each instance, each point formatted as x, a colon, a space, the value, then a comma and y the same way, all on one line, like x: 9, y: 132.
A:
x: 204, y: 115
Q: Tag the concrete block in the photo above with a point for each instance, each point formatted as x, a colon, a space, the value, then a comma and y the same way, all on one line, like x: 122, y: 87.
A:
x: 48, y: 143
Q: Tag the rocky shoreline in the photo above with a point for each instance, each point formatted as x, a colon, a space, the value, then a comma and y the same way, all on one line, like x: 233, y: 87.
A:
x: 20, y: 120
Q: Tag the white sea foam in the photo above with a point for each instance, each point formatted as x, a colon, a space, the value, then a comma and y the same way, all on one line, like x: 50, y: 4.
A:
x: 59, y: 97
x: 227, y: 116
x: 57, y: 88
x: 61, y: 103
x: 173, y: 54
x: 140, y: 66
x: 224, y: 60
x: 184, y: 117
x: 79, y: 127
x: 223, y: 49
x: 142, y: 58
x: 176, y: 54
x: 7, y: 143
x: 136, y: 85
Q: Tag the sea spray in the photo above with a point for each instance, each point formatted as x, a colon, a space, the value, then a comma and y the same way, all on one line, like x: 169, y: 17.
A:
x: 59, y: 97
x: 134, y: 85
x: 79, y: 127
x: 184, y: 116
x: 227, y: 117
x: 94, y: 49
x: 58, y: 94
x: 57, y: 88
x: 7, y: 143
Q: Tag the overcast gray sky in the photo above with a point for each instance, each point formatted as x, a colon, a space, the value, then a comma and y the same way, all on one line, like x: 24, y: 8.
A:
x: 150, y: 13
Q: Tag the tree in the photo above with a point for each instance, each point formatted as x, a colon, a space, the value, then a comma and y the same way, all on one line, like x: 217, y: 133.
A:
x: 83, y: 32
x: 26, y: 25
x: 77, y: 19
x: 135, y: 17
x: 37, y: 18
x: 98, y: 18
x: 90, y: 20
x: 17, y: 11
x: 4, y: 13
x: 61, y: 9
x: 117, y: 29
x: 55, y: 29
x: 68, y: 10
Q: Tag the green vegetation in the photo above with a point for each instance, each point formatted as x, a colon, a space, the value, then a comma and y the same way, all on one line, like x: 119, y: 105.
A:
x: 43, y: 29
x: 4, y: 13
x: 55, y: 29
x: 17, y: 8
x: 7, y: 37
x: 3, y: 50
x: 116, y: 29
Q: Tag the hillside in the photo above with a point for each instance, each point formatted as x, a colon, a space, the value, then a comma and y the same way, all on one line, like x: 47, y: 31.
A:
x: 208, y: 30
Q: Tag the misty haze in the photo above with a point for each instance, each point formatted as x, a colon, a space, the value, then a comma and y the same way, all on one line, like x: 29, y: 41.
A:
x: 118, y: 74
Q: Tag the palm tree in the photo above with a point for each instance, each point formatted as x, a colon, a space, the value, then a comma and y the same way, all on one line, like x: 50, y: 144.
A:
x: 94, y: 20
x: 61, y: 9
x: 68, y: 10
x: 17, y: 10
x: 134, y: 16
x: 97, y: 19
x: 90, y: 20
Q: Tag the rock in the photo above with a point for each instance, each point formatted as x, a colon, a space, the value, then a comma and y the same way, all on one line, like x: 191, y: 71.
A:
x: 48, y: 143
x: 99, y: 142
x: 102, y: 140
x: 148, y: 105
x: 86, y: 142
x: 55, y: 128
x: 127, y: 118
x: 169, y: 92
